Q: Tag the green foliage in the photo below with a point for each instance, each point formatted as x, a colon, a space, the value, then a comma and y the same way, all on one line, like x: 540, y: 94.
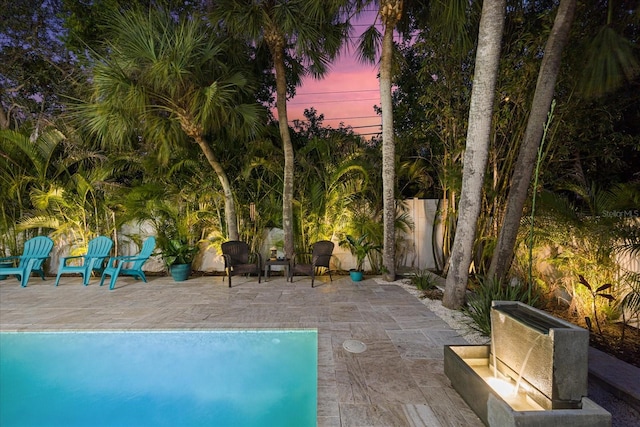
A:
x: 599, y: 136
x: 167, y: 81
x: 37, y: 70
x: 181, y: 205
x: 360, y: 247
x: 332, y: 177
x: 478, y: 307
x: 311, y: 28
x: 423, y: 280
x: 611, y: 61
x: 49, y: 180
x: 597, y: 292
x: 631, y: 297
x: 579, y: 234
x: 179, y: 251
x: 51, y: 184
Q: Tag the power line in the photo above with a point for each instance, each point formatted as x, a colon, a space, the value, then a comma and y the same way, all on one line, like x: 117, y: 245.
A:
x: 337, y: 118
x: 337, y: 91
x: 332, y: 102
x: 379, y: 125
x: 302, y: 121
x: 351, y: 118
x: 368, y: 126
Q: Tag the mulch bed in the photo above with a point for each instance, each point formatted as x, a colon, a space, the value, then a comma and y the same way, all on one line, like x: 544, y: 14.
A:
x: 610, y: 340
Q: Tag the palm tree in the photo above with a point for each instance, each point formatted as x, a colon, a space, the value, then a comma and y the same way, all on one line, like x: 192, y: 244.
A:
x: 609, y: 60
x: 27, y: 165
x: 167, y: 80
x: 332, y: 184
x: 612, y: 58
x: 390, y: 13
x: 523, y: 170
x: 477, y: 149
x: 51, y: 184
x: 38, y: 158
x: 305, y: 35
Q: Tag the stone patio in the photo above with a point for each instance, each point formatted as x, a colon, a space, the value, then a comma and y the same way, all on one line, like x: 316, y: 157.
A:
x: 397, y: 381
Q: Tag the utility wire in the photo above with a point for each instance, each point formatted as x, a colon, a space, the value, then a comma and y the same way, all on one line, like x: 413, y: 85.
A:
x: 337, y: 118
x: 368, y: 126
x: 335, y: 101
x: 337, y: 91
x: 351, y: 118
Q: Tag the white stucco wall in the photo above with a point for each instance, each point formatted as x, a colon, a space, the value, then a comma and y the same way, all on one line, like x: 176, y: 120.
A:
x: 415, y: 246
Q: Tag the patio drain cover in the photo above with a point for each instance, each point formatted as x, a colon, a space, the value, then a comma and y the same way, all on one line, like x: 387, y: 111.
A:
x: 354, y: 346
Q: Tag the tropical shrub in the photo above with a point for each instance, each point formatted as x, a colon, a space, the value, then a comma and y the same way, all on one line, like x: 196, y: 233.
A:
x: 423, y: 279
x: 478, y: 306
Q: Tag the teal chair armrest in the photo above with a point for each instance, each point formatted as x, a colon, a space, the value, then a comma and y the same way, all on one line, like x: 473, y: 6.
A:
x: 115, y: 260
x: 67, y: 258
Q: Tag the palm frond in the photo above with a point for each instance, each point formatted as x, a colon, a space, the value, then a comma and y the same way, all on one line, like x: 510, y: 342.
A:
x: 611, y: 60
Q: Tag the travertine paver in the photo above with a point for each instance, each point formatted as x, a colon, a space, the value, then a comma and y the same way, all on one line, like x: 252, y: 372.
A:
x: 397, y: 381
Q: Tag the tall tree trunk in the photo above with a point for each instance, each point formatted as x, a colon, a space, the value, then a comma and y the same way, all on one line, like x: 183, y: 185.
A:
x: 229, y: 203
x: 390, y: 13
x: 194, y: 131
x: 276, y: 44
x: 523, y: 170
x: 477, y: 149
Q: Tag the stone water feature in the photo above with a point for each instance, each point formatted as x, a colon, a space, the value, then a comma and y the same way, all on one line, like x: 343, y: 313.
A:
x: 534, y: 373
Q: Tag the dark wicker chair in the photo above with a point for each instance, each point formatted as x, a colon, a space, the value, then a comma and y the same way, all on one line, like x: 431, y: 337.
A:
x: 308, y: 264
x: 238, y: 260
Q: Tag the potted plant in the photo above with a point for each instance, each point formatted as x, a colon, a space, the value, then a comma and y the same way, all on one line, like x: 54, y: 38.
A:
x: 360, y: 248
x: 178, y: 254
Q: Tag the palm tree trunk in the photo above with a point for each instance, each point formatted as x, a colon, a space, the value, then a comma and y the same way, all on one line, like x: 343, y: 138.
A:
x: 287, y: 147
x: 275, y: 42
x: 229, y: 203
x: 477, y: 150
x: 194, y: 131
x: 523, y: 170
x: 390, y: 13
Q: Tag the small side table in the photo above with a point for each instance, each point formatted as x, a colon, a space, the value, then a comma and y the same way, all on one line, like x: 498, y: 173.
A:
x: 270, y: 262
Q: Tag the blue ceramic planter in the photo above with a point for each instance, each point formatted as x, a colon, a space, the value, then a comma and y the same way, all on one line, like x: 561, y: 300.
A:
x: 180, y: 272
x: 356, y: 275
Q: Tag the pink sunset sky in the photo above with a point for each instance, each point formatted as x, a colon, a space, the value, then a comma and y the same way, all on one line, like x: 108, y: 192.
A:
x: 346, y: 94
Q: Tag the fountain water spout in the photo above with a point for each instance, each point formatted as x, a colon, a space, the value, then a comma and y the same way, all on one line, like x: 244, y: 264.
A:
x: 524, y: 365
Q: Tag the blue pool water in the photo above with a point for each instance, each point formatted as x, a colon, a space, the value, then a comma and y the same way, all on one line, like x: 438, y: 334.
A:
x: 176, y: 378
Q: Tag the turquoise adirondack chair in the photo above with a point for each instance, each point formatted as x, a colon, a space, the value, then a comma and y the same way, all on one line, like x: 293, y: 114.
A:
x: 36, y: 251
x: 97, y: 252
x: 129, y: 265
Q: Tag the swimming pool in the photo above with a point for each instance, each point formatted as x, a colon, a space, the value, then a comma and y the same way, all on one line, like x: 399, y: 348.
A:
x: 159, y: 378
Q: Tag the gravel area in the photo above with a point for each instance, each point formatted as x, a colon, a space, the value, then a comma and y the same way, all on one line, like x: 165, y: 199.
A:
x: 622, y: 414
